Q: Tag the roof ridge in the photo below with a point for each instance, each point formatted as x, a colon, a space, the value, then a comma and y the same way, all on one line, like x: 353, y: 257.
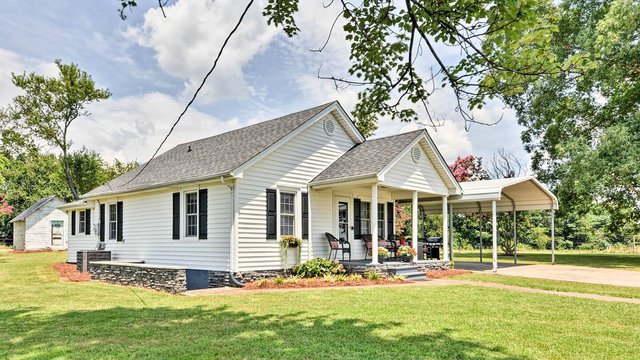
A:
x: 323, y: 106
x: 401, y: 134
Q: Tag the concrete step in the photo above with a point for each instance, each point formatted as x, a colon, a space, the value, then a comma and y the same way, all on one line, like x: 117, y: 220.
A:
x: 415, y: 276
x: 403, y: 270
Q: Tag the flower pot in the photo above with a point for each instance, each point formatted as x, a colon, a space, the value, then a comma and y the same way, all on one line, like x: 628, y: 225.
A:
x: 381, y: 259
x: 406, y: 258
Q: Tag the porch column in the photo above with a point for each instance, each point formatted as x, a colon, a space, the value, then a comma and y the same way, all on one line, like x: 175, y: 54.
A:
x: 494, y: 225
x: 445, y: 230
x: 414, y: 223
x: 451, y: 231
x: 374, y: 223
x: 553, y: 236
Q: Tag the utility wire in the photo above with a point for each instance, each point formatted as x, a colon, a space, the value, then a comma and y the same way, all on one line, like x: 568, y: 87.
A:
x: 215, y: 63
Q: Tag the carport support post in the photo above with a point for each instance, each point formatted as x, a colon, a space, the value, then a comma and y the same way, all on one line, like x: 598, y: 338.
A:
x: 374, y: 223
x: 515, y: 236
x: 445, y: 230
x: 494, y: 225
x: 553, y: 236
x: 414, y: 223
x: 481, y: 216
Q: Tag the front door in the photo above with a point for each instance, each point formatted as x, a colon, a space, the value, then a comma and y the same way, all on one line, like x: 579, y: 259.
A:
x: 57, y: 228
x: 343, y: 230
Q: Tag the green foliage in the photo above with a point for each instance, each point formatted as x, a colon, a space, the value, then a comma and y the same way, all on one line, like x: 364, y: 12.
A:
x: 317, y: 267
x: 583, y: 132
x: 372, y: 274
x: 47, y: 108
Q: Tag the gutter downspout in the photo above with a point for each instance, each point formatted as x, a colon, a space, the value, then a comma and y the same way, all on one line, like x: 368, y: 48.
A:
x: 232, y: 277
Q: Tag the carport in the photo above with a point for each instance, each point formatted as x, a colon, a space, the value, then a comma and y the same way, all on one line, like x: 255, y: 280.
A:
x: 499, y: 195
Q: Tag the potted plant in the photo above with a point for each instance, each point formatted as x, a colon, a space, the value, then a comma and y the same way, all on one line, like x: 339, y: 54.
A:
x: 290, y: 242
x: 383, y: 253
x: 406, y: 253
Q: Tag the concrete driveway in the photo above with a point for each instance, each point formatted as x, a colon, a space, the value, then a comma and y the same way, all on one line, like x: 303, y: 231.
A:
x: 560, y: 272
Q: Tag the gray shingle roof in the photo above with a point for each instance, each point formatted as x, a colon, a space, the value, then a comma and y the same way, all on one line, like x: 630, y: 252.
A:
x: 368, y: 158
x: 33, y: 208
x: 210, y: 157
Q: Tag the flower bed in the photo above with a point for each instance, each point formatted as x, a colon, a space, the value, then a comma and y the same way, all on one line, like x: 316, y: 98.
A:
x: 31, y: 251
x: 327, y: 281
x: 68, y: 272
x: 439, y: 274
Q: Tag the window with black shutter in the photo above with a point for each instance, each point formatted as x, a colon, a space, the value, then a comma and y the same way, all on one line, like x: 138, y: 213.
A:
x: 305, y: 216
x: 119, y: 219
x: 271, y: 214
x: 390, y: 224
x: 102, y: 221
x: 176, y: 216
x: 202, y: 214
x: 73, y: 222
x: 87, y: 224
x: 357, y: 205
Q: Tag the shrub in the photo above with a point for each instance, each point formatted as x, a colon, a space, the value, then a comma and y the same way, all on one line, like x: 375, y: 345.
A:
x: 355, y: 277
x: 318, y: 267
x: 397, y: 278
x: 279, y: 280
x: 372, y: 275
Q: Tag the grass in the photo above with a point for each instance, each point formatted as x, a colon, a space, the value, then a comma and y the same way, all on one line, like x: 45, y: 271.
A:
x: 43, y: 317
x: 578, y: 258
x: 555, y: 285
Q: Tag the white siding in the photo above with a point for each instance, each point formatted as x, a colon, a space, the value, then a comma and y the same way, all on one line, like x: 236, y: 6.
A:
x: 147, y: 231
x: 421, y: 176
x: 18, y: 235
x: 82, y: 241
x: 292, y: 166
x: 38, y: 226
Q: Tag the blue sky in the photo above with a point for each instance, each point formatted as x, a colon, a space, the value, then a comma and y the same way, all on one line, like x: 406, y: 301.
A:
x: 152, y: 65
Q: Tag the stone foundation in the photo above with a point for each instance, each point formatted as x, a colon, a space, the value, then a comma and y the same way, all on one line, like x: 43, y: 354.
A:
x: 221, y: 278
x: 384, y: 269
x: 170, y: 279
x: 434, y: 265
x: 84, y: 257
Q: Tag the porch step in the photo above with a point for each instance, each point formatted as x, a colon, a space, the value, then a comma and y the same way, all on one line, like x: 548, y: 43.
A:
x: 409, y: 272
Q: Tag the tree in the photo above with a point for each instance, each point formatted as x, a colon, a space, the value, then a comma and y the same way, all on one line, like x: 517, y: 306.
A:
x: 89, y: 170
x: 49, y: 106
x: 468, y: 168
x: 502, y: 44
x: 505, y: 164
x: 583, y: 132
x: 5, y: 208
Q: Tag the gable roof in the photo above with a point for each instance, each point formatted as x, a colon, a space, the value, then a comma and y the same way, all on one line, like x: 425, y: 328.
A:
x: 368, y: 158
x: 495, y: 189
x: 215, y: 156
x: 33, y: 208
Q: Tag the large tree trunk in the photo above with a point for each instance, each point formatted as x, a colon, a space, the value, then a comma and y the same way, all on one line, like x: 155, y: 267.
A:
x: 67, y: 171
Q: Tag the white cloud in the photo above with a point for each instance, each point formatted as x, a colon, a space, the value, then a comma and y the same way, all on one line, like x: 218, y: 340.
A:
x: 132, y: 127
x: 187, y: 41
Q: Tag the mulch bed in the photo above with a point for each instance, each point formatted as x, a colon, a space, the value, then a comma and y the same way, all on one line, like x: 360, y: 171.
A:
x: 68, y: 272
x: 318, y: 282
x: 31, y: 251
x: 440, y: 274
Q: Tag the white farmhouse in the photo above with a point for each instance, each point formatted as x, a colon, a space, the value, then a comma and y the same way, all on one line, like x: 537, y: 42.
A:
x: 41, y: 226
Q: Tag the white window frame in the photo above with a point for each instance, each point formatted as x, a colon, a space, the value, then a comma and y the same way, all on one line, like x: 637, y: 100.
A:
x: 109, y: 221
x: 185, y: 216
x: 297, y: 220
x: 363, y: 219
x: 382, y: 220
x: 82, y: 218
x: 292, y: 215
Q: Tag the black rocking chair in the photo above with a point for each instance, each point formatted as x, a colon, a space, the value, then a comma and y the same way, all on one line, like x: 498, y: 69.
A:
x: 336, y: 245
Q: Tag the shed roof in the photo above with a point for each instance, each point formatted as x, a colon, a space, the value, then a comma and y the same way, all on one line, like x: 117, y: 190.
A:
x: 33, y: 208
x: 210, y: 157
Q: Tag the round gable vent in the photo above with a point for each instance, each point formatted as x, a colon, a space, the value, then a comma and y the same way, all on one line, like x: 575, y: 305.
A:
x: 329, y: 127
x: 416, y: 153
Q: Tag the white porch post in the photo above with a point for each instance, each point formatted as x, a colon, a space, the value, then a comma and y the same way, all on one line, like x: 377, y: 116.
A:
x: 414, y: 223
x: 553, y: 236
x: 374, y: 223
x: 445, y: 230
x: 451, y: 231
x: 494, y: 225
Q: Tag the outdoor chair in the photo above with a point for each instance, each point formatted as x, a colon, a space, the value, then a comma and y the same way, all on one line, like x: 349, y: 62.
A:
x: 367, y: 239
x: 336, y: 245
x: 393, y: 244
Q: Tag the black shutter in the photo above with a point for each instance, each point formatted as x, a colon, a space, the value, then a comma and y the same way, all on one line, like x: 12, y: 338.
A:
x: 87, y: 222
x: 356, y: 218
x: 73, y: 222
x: 102, y: 221
x: 271, y: 214
x: 305, y: 216
x: 119, y: 219
x: 176, y: 216
x: 390, y: 223
x: 202, y: 214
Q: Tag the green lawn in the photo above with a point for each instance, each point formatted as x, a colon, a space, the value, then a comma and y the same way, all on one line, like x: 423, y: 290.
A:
x: 555, y: 285
x: 578, y: 258
x: 42, y: 317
